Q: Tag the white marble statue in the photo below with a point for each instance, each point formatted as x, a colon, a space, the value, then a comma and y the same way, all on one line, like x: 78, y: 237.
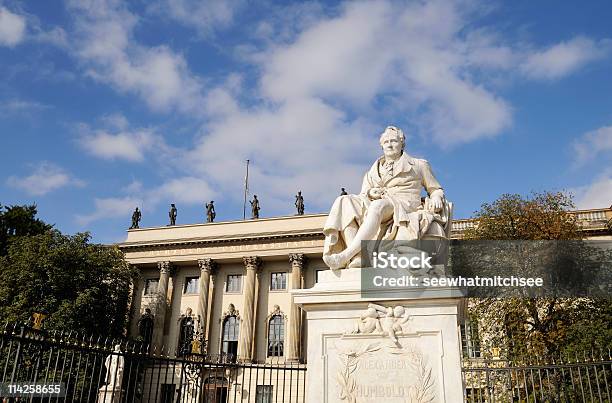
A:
x: 389, y: 206
x: 114, y: 364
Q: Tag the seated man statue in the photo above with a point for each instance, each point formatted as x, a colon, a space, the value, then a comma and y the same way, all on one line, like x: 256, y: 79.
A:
x: 389, y: 206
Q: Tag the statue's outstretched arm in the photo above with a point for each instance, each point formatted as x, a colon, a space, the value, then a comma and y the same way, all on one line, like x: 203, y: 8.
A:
x: 379, y: 308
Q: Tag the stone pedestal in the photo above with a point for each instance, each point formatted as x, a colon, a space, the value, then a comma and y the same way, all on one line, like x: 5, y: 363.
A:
x: 353, y: 357
x: 109, y: 394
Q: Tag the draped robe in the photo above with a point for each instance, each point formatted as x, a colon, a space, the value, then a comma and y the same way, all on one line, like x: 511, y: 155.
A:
x: 412, y: 219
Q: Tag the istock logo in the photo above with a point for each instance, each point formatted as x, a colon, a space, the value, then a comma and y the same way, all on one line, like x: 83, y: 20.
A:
x: 384, y: 260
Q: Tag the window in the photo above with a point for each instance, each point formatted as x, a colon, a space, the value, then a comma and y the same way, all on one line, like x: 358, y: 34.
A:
x: 234, y: 283
x: 150, y: 287
x: 192, y: 285
x: 263, y: 394
x: 278, y: 281
x: 229, y: 341
x: 276, y: 336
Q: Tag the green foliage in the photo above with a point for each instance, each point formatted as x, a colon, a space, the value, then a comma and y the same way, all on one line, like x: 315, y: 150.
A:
x: 79, y: 285
x: 526, y: 325
x: 16, y: 221
x: 541, y: 216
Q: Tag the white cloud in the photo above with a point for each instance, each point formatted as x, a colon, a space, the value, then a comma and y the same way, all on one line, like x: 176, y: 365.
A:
x: 12, y: 28
x: 590, y: 144
x: 598, y: 194
x: 187, y: 190
x: 106, y: 47
x: 116, y: 121
x: 21, y: 106
x: 111, y: 207
x: 423, y: 64
x: 117, y: 140
x: 564, y: 58
x: 46, y: 177
x: 323, y: 91
x: 205, y: 16
x: 128, y: 146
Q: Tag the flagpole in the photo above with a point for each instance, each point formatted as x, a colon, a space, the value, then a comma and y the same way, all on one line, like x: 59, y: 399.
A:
x: 246, y: 190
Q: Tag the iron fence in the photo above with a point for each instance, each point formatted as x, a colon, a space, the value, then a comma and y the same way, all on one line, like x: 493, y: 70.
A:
x: 581, y: 378
x: 91, y: 369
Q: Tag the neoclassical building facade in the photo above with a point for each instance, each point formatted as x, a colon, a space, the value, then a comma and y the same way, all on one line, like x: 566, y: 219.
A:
x: 231, y: 282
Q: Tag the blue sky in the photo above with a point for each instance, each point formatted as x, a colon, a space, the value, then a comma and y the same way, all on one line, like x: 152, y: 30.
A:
x: 105, y: 105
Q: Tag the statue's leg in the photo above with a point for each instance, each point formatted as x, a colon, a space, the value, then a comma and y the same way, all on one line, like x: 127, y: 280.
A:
x: 350, y: 232
x: 378, y: 212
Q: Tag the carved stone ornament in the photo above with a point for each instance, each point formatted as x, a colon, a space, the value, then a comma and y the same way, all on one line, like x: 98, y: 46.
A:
x: 252, y: 262
x: 231, y: 311
x: 164, y: 267
x: 297, y: 259
x: 387, y: 321
x: 276, y: 311
x: 207, y: 264
x: 362, y: 366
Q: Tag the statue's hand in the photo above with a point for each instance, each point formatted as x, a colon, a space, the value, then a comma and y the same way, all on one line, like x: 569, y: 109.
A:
x: 435, y: 203
x: 375, y: 193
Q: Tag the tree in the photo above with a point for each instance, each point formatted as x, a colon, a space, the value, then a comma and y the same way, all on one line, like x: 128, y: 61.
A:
x: 543, y: 325
x: 79, y: 285
x: 18, y: 221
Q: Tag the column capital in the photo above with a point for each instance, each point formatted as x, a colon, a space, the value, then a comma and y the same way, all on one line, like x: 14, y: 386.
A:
x: 252, y: 262
x: 165, y: 267
x: 207, y: 265
x: 297, y: 259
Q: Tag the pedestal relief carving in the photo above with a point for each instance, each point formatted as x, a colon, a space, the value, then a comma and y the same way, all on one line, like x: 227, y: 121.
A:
x: 386, y: 321
x: 372, y: 363
x: 368, y: 370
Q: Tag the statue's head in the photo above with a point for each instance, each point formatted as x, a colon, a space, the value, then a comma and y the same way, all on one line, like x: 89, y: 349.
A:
x: 392, y: 141
x: 398, y: 311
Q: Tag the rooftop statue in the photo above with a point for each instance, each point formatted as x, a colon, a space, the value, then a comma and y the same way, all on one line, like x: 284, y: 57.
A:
x: 299, y: 203
x: 255, y: 207
x: 210, y: 211
x: 136, y: 216
x: 389, y: 206
x: 172, y: 214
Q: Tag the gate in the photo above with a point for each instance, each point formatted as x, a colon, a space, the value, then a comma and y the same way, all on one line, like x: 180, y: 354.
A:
x: 96, y: 369
x: 582, y: 378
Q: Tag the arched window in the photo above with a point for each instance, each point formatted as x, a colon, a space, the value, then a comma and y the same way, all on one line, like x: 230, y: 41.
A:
x: 229, y: 341
x: 276, y: 336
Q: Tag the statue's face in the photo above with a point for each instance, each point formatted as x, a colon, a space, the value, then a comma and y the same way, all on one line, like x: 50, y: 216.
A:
x: 392, y: 145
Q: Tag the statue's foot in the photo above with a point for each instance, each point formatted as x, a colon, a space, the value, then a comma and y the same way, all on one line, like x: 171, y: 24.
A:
x: 335, y: 261
x: 355, y: 262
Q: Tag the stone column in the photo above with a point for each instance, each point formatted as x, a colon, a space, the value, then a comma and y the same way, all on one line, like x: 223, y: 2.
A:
x: 245, y: 345
x: 295, y: 319
x: 161, y: 304
x: 207, y: 267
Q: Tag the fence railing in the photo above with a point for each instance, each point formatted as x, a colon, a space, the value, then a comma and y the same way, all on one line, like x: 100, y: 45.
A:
x: 89, y: 369
x: 581, y: 378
